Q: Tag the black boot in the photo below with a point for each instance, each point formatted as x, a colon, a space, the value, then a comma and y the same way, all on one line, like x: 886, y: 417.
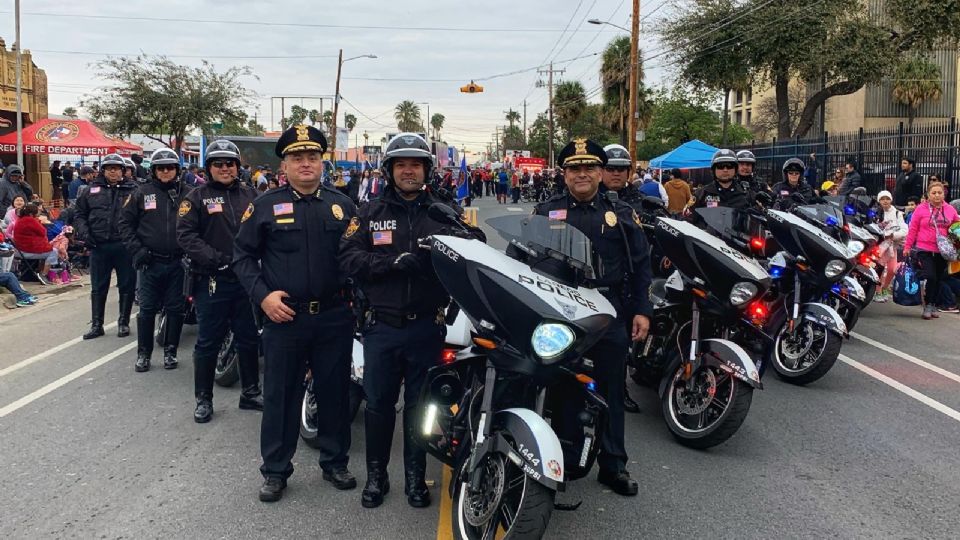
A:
x: 204, y: 411
x: 414, y: 462
x: 251, y: 397
x: 145, y: 324
x: 379, y: 437
x: 123, y: 322
x: 629, y: 405
x: 171, y: 340
x: 98, y: 304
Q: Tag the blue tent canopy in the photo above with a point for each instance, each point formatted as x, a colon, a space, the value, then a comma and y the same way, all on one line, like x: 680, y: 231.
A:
x: 695, y: 154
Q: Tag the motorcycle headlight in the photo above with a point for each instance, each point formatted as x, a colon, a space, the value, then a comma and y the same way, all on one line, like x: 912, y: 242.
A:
x: 550, y: 340
x: 855, y: 247
x: 742, y: 292
x: 834, y: 268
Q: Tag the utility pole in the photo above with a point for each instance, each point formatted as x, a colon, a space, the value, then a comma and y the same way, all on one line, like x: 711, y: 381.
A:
x: 549, y: 72
x: 525, y: 121
x: 336, y: 107
x: 634, y: 81
x: 19, y: 88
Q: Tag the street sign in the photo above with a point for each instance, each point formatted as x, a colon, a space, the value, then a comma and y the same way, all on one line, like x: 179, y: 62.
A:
x: 372, y: 149
x: 641, y: 135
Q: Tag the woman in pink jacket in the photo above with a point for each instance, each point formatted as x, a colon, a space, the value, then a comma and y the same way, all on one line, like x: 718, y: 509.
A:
x: 931, y: 216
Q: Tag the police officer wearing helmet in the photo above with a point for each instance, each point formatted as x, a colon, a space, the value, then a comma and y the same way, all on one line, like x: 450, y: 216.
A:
x: 404, y: 325
x: 725, y: 190
x: 623, y: 273
x: 616, y: 175
x: 130, y: 170
x: 286, y: 257
x: 148, y: 223
x: 97, y: 222
x: 793, y: 188
x: 208, y: 221
x: 746, y: 163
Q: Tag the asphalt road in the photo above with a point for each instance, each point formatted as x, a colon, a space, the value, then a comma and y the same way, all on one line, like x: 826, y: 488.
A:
x: 91, y: 449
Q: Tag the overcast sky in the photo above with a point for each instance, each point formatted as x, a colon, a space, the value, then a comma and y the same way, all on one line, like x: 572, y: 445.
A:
x: 425, y: 41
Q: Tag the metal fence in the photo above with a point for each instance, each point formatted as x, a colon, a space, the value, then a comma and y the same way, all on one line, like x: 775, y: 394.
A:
x: 877, y: 153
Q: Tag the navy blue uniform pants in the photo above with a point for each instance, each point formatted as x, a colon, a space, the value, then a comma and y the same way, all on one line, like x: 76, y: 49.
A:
x: 609, y: 357
x: 323, y: 342
x: 108, y: 258
x: 161, y: 287
x: 228, y: 308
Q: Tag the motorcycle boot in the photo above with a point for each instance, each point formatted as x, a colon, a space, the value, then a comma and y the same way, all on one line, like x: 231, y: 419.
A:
x: 414, y: 462
x: 98, y: 304
x: 145, y: 325
x: 251, y: 397
x: 379, y: 437
x: 171, y: 340
x: 629, y: 405
x: 619, y: 482
x: 123, y: 322
x: 203, y: 370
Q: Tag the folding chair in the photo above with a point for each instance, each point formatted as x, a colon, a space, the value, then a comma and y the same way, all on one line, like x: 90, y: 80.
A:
x: 27, y: 269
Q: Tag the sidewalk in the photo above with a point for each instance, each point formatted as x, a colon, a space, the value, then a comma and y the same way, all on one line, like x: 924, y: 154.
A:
x: 43, y: 292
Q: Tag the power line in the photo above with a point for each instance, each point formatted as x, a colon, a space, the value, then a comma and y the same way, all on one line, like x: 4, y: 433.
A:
x: 270, y: 57
x: 585, y: 15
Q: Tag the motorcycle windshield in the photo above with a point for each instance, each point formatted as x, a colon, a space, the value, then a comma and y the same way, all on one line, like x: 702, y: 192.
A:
x: 550, y: 246
x: 823, y: 214
x: 723, y: 220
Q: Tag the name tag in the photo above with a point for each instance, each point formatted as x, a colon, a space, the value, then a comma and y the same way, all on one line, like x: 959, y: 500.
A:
x: 282, y: 209
x: 382, y: 238
x: 557, y: 214
x: 285, y: 221
x: 213, y: 208
x: 95, y: 189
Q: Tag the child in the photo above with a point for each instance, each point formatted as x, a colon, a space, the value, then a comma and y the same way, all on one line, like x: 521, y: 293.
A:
x: 912, y: 203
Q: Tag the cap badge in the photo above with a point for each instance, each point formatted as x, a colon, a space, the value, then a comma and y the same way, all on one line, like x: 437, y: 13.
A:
x: 302, y: 134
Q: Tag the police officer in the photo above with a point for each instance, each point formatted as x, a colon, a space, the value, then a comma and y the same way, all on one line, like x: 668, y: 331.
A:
x: 130, y: 171
x: 98, y: 223
x: 404, y: 326
x: 616, y: 175
x: 285, y: 256
x: 208, y: 221
x: 746, y: 163
x: 623, y: 270
x: 793, y: 188
x: 724, y: 190
x: 148, y: 223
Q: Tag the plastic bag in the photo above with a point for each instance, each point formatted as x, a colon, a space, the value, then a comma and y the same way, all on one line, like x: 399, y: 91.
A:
x: 906, y: 285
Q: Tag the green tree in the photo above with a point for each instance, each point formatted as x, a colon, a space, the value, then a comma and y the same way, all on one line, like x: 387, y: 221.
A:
x: 164, y: 100
x: 537, y: 141
x: 512, y: 117
x: 298, y: 115
x: 314, y: 116
x: 917, y: 81
x: 513, y: 138
x: 254, y: 128
x: 70, y: 112
x: 680, y: 116
x: 569, y: 102
x: 407, y: 115
x: 327, y: 119
x: 843, y: 45
x: 615, y: 82
x: 436, y: 122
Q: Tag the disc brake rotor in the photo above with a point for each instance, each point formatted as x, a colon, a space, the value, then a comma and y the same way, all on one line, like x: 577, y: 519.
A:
x: 483, y: 503
x: 796, y: 345
x: 695, y: 401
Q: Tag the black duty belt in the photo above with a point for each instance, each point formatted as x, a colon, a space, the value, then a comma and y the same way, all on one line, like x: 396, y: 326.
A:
x: 313, y: 306
x: 163, y: 256
x: 401, y: 320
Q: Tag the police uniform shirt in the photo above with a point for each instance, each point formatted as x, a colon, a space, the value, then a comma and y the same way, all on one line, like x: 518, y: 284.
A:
x: 289, y: 241
x: 601, y: 221
x: 98, y: 210
x: 208, y: 219
x: 148, y: 218
x: 713, y: 195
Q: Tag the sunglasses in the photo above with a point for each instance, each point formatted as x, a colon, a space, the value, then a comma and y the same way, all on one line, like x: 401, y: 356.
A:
x: 166, y: 167
x: 726, y: 166
x: 616, y: 169
x: 222, y: 164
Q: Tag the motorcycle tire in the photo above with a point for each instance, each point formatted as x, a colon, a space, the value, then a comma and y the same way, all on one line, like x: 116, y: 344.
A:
x: 721, y: 428
x: 227, y: 372
x: 532, y: 510
x: 161, y: 328
x: 308, y: 418
x: 816, y: 369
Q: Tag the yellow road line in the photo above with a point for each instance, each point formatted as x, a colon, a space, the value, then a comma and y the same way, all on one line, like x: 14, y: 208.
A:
x: 444, y: 523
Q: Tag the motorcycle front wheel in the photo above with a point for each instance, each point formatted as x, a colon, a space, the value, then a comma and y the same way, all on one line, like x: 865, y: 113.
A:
x: 227, y: 372
x: 807, y: 354
x: 161, y: 328
x: 508, y: 505
x: 708, y: 410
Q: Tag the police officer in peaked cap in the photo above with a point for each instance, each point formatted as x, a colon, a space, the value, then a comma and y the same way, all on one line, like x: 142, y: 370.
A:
x: 286, y: 257
x: 621, y: 252
x: 207, y: 222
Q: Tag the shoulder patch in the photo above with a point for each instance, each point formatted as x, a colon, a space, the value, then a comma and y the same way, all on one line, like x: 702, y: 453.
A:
x: 352, y: 227
x: 127, y: 200
x: 184, y: 209
x: 247, y: 213
x: 636, y: 218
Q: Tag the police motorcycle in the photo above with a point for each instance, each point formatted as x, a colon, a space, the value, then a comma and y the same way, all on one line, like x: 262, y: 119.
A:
x: 703, y: 312
x: 515, y: 415
x: 861, y: 213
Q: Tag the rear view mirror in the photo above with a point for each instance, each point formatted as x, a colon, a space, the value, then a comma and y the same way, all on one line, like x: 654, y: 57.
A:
x: 443, y: 213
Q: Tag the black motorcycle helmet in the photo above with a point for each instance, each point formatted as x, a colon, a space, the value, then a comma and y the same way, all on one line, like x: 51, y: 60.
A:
x: 793, y: 164
x: 407, y: 145
x: 220, y: 149
x: 746, y: 156
x: 164, y: 156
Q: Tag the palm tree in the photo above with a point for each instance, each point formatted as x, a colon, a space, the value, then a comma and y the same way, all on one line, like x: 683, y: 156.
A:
x: 513, y: 116
x: 569, y: 102
x: 615, y: 80
x: 407, y: 115
x: 327, y: 119
x: 314, y: 116
x: 70, y: 112
x: 916, y: 81
x: 436, y: 122
x: 349, y: 121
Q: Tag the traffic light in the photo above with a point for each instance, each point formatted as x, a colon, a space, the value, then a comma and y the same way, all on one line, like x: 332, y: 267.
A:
x: 472, y: 88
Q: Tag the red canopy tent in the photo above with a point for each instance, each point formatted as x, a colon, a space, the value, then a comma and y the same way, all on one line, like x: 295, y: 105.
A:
x: 69, y: 137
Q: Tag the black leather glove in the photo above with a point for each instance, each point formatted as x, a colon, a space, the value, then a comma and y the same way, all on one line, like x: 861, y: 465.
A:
x: 142, y: 259
x: 407, y: 262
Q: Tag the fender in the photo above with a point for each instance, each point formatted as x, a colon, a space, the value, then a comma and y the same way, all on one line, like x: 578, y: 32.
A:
x: 536, y: 446
x: 723, y: 354
x: 856, y: 290
x: 825, y: 316
x: 868, y: 272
